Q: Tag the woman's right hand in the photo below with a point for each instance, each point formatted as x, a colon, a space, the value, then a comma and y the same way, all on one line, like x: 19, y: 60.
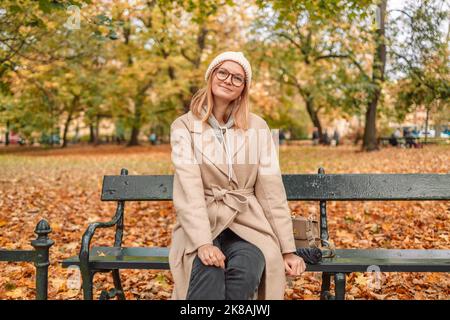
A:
x: 211, y: 255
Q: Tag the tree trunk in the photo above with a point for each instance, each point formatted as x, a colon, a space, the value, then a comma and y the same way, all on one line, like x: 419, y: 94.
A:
x: 187, y: 102
x: 91, y: 134
x: 370, y: 130
x: 66, y: 128
x: 134, y: 141
x: 195, y: 61
x: 7, y: 133
x: 186, y: 105
x: 72, y: 109
x: 379, y: 62
x: 97, y: 131
x: 134, y: 138
x: 426, y: 126
x: 138, y: 104
x: 313, y: 114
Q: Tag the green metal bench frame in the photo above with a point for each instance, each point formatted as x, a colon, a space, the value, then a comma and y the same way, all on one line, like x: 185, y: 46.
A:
x: 299, y: 187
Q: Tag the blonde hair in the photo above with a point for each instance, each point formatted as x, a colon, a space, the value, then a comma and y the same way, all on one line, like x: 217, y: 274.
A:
x: 240, y: 110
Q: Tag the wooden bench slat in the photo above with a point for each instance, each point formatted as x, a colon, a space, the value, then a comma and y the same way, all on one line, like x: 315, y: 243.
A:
x: 346, y: 260
x: 394, y: 253
x: 133, y: 251
x: 330, y: 187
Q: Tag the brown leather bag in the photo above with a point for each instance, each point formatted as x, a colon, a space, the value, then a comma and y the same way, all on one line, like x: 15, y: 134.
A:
x: 307, y: 235
x: 306, y: 232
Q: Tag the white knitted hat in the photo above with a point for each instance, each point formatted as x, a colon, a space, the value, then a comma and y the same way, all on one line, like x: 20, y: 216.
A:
x: 232, y: 56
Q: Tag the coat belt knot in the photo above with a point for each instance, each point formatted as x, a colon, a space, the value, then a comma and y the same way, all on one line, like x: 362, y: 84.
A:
x: 236, y: 199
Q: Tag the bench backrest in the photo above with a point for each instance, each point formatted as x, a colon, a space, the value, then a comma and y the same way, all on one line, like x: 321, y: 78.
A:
x: 321, y: 187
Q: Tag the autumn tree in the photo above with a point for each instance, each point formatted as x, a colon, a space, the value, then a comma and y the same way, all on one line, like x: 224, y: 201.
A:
x: 309, y: 41
x: 55, y: 79
x: 421, y: 58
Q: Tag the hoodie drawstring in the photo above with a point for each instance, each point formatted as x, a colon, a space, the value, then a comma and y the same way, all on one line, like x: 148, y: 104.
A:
x: 229, y: 159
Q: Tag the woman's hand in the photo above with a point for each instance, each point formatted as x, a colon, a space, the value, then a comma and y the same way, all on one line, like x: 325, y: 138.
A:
x: 210, y: 255
x: 293, y: 264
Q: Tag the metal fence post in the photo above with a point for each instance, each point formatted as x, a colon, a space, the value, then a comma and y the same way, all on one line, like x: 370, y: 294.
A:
x: 42, y: 246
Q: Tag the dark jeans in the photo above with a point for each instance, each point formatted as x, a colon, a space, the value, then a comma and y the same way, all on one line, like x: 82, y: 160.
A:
x: 244, y: 266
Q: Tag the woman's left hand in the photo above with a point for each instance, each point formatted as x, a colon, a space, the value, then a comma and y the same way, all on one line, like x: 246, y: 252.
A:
x: 293, y: 264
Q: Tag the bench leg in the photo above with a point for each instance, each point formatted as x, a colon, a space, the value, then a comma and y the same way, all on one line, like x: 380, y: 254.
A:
x: 87, y: 278
x: 339, y: 282
x: 325, y: 290
x: 118, y: 284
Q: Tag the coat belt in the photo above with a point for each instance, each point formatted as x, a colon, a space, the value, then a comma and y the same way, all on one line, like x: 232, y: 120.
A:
x: 236, y: 199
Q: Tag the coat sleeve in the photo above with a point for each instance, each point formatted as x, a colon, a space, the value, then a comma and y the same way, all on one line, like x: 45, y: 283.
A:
x: 270, y: 191
x: 188, y: 194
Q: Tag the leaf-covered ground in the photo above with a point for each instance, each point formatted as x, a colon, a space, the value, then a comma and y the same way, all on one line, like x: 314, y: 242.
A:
x: 63, y: 186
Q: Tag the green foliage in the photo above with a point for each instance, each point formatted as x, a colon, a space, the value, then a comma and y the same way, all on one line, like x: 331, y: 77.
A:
x: 139, y: 65
x: 421, y: 59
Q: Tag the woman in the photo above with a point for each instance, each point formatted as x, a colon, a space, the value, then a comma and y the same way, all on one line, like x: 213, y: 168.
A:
x: 233, y: 238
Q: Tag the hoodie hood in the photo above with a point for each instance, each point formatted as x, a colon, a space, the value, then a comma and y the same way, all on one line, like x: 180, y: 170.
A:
x: 218, y: 129
x: 222, y: 136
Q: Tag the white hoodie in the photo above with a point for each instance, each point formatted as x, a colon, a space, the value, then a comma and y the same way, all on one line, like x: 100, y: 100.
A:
x: 220, y: 132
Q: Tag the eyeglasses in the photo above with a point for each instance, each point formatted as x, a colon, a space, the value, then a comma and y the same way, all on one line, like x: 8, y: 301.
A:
x: 236, y: 79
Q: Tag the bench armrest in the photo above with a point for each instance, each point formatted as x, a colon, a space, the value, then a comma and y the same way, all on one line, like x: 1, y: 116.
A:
x: 89, y: 233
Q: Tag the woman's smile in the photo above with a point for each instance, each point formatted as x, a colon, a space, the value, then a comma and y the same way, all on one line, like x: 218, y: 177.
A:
x: 229, y: 90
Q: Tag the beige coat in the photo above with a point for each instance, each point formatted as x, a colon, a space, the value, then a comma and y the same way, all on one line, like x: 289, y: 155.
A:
x: 253, y: 204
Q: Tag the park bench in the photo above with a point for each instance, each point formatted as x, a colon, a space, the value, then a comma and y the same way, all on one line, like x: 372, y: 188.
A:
x: 385, y: 141
x: 319, y: 187
x: 40, y: 257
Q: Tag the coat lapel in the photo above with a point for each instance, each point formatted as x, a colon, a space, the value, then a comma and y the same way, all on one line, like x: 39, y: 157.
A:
x: 240, y: 142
